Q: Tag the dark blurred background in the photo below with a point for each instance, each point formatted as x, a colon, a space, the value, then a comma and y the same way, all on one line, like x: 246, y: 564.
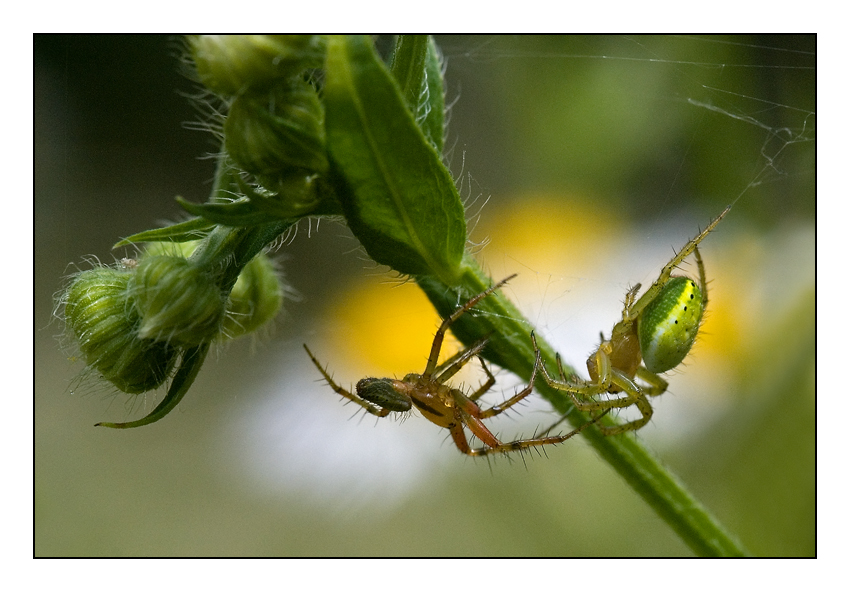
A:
x: 597, y: 157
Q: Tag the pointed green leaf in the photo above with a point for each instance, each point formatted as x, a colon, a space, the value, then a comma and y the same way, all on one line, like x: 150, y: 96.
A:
x: 177, y: 233
x: 190, y: 365
x: 432, y: 108
x: 235, y: 213
x: 408, y: 67
x: 398, y: 198
x: 418, y: 68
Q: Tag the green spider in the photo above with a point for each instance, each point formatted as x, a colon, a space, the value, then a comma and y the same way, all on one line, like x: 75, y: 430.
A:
x: 658, y: 328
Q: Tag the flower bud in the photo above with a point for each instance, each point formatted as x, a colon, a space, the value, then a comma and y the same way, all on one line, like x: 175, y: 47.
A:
x: 287, y: 196
x: 255, y: 299
x: 177, y: 301
x: 284, y: 129
x: 230, y: 64
x: 97, y: 312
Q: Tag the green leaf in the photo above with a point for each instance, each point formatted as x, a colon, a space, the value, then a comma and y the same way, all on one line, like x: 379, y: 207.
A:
x: 181, y: 232
x: 237, y: 213
x: 408, y: 67
x: 418, y: 69
x: 398, y: 198
x: 190, y: 365
x: 295, y: 195
x: 432, y: 109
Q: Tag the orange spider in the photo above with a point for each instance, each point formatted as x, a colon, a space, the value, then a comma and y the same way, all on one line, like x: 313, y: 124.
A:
x: 442, y: 404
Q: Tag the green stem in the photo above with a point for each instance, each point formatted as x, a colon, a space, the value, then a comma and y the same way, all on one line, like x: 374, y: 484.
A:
x: 510, y: 347
x: 229, y: 249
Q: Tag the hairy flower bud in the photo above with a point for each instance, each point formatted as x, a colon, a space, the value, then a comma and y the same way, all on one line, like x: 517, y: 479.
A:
x: 105, y: 326
x: 255, y: 299
x: 231, y: 64
x: 282, y: 130
x: 177, y: 301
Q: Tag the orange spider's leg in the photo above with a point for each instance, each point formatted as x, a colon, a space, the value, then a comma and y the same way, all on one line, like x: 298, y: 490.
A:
x: 470, y: 415
x: 460, y: 438
x: 441, y: 332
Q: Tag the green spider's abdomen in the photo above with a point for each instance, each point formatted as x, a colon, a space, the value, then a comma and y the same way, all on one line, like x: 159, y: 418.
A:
x: 668, y: 327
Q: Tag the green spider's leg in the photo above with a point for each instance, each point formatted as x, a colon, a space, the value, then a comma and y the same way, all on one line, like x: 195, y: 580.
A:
x: 589, y: 390
x: 702, y: 282
x: 608, y: 376
x: 657, y: 385
x: 645, y: 409
x: 658, y: 285
x: 633, y: 396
